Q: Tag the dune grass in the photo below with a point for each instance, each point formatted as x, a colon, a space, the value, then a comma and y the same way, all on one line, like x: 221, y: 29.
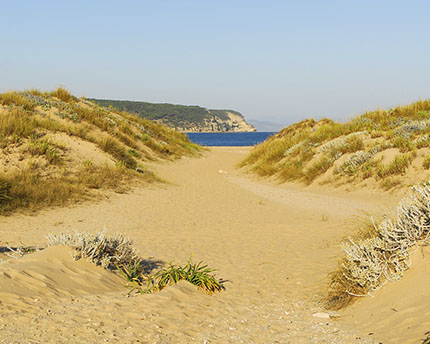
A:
x: 28, y: 120
x: 29, y: 189
x: 307, y: 150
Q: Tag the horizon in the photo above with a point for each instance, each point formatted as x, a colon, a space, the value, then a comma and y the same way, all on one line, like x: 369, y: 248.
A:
x: 275, y: 61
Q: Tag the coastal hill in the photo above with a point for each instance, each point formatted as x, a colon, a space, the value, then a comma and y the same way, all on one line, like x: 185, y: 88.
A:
x: 185, y: 118
x: 56, y: 148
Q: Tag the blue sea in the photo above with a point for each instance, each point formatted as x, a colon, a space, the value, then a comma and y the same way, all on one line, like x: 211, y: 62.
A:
x: 229, y: 139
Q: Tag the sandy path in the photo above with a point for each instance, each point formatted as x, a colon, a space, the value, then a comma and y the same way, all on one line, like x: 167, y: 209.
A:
x: 275, y: 244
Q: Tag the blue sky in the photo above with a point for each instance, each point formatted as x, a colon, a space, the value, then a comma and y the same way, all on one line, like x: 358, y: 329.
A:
x: 271, y: 60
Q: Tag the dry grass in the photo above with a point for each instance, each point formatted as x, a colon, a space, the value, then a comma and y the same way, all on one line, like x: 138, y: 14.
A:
x: 306, y: 150
x: 114, y: 148
x: 62, y: 94
x: 18, y: 99
x: 383, y: 253
x: 48, y: 174
x: 30, y: 189
x: 99, y: 249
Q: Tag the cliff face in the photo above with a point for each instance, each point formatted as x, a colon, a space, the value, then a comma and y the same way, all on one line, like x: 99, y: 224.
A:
x: 183, y: 117
x: 232, y: 123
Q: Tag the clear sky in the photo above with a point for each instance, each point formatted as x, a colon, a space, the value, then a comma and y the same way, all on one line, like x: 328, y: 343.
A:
x: 271, y: 60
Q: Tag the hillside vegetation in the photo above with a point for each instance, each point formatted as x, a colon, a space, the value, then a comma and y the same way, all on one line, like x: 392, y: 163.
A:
x: 55, y: 148
x: 380, y: 146
x: 182, y: 117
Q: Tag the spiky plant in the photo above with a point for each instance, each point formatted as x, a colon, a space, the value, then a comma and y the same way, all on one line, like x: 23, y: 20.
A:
x: 198, y: 274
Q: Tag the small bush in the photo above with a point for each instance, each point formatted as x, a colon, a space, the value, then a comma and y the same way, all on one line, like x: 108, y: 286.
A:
x: 109, y: 252
x: 383, y: 254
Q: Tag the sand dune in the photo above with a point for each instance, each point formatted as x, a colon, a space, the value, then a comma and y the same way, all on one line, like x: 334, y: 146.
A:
x: 275, y: 244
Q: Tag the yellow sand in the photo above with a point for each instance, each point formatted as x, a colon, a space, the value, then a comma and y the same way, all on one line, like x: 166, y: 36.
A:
x: 275, y: 244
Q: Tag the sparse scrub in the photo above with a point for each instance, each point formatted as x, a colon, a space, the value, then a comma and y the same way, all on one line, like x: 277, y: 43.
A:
x: 383, y: 254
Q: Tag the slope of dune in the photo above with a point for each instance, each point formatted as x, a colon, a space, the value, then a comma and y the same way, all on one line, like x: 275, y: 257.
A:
x: 52, y: 273
x: 379, y: 149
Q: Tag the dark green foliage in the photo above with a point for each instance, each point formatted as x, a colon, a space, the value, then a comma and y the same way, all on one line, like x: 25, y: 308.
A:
x: 198, y: 274
x: 173, y: 115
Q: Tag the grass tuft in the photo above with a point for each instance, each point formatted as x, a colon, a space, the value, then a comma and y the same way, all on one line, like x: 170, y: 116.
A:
x: 62, y: 94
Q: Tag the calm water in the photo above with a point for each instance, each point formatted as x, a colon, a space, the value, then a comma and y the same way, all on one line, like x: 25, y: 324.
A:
x: 229, y: 139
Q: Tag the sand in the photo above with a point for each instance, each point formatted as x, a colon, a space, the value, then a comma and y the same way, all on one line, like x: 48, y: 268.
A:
x: 275, y: 244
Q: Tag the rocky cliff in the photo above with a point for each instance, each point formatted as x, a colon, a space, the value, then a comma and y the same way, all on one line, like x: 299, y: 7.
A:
x: 231, y: 122
x: 184, y: 118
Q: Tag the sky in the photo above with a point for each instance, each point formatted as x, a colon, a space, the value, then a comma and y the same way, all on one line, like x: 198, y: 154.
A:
x: 280, y: 61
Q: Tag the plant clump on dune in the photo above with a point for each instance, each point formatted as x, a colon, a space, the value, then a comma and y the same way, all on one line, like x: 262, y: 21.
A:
x: 383, y: 254
x: 360, y: 149
x: 117, y: 254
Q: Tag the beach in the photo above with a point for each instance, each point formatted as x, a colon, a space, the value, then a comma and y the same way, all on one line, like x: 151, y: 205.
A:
x: 273, y: 244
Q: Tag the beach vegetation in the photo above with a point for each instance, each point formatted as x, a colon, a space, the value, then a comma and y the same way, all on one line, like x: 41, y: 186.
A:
x: 306, y: 150
x: 382, y: 253
x: 49, y: 172
x: 117, y: 254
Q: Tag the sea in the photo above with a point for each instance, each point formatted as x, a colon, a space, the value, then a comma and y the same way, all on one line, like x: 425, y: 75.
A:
x: 229, y: 139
